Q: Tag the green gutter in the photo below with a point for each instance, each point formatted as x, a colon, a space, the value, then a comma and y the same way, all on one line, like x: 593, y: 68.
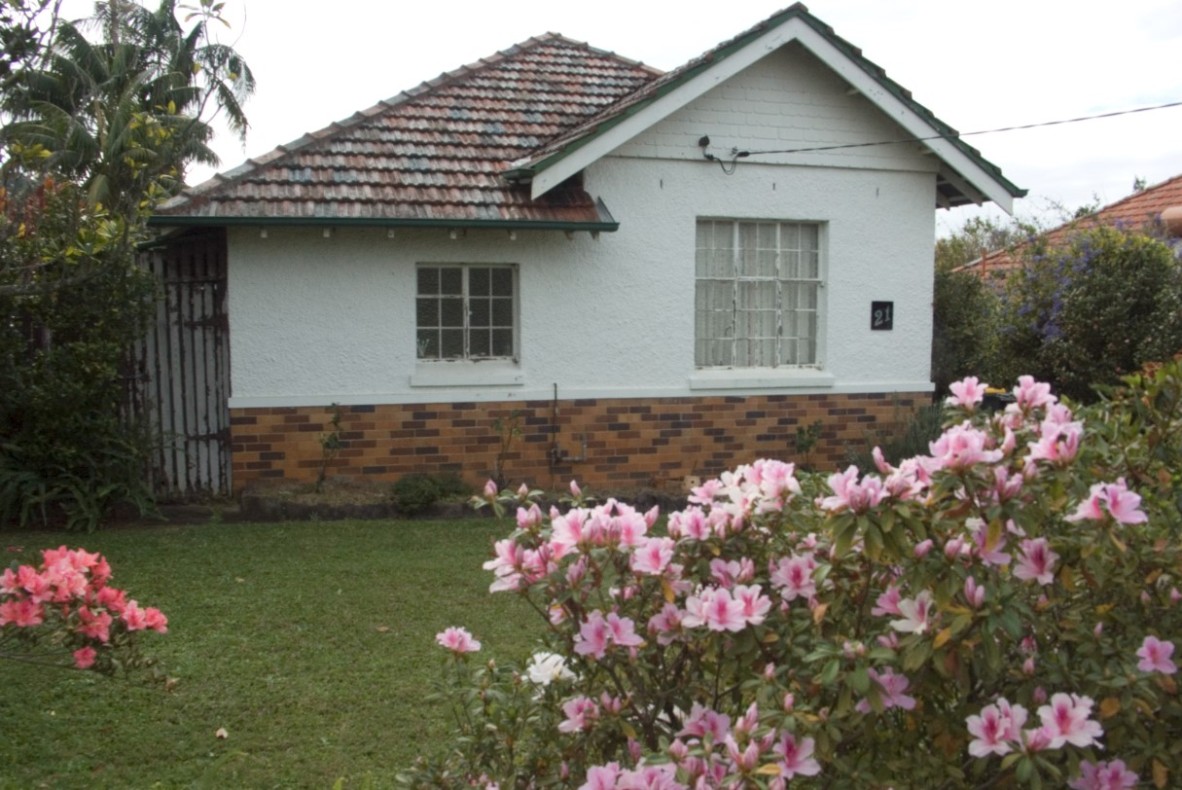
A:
x: 164, y: 220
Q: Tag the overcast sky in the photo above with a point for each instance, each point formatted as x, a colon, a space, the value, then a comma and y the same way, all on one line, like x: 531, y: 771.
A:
x: 976, y: 64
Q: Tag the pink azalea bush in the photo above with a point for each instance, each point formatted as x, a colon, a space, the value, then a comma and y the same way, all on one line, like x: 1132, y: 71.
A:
x: 67, y: 606
x: 1001, y: 611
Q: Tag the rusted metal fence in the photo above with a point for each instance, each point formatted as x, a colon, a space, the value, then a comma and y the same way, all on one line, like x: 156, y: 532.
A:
x: 180, y: 382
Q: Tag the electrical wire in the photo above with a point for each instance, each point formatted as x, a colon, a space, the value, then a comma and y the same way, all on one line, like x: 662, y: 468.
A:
x: 955, y: 136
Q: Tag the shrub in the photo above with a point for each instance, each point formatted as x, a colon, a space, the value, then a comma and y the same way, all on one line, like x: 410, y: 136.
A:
x: 414, y: 493
x: 1093, y: 310
x: 998, y: 611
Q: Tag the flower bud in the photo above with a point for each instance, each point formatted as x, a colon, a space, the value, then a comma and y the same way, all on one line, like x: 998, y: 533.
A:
x: 922, y: 548
x: 575, y: 491
x: 490, y: 490
x: 789, y: 702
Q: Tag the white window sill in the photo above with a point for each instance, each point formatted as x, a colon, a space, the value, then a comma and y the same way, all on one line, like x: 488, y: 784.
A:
x: 759, y: 378
x: 467, y: 374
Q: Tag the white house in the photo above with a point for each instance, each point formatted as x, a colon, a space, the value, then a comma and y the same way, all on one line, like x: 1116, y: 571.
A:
x: 651, y: 276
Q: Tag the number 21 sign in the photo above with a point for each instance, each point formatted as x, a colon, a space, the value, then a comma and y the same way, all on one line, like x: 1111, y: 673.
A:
x: 882, y: 315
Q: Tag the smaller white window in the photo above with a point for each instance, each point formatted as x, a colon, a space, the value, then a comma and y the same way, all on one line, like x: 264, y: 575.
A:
x: 466, y: 312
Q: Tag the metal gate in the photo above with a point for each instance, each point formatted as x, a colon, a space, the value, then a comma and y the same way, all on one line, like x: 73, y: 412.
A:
x: 181, y: 378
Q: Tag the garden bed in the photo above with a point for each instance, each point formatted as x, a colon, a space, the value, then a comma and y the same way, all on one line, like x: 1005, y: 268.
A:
x: 349, y: 498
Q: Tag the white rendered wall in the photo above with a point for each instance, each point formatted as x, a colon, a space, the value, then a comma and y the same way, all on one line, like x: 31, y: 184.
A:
x: 317, y: 320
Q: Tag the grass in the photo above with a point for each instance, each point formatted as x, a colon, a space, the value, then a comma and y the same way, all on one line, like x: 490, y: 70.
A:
x: 312, y: 644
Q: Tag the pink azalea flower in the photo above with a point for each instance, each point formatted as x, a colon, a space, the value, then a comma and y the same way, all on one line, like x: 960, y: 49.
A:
x: 457, y: 640
x: 991, y: 732
x: 1058, y: 444
x: 849, y: 494
x: 23, y: 613
x: 754, y: 605
x: 1066, y: 720
x: 84, y: 657
x: 652, y: 556
x: 597, y: 633
x: 1037, y: 561
x: 891, y: 688
x: 689, y: 523
x: 793, y: 576
x: 1110, y: 499
x: 796, y: 759
x: 990, y: 552
x: 917, y: 614
x: 95, y: 625
x: 1111, y: 775
x: 1155, y: 656
x: 581, y: 713
x: 1031, y: 394
x: 665, y: 623
x: 963, y: 446
x: 967, y: 393
x: 714, y: 608
x: 974, y: 593
x: 888, y: 602
x: 703, y: 721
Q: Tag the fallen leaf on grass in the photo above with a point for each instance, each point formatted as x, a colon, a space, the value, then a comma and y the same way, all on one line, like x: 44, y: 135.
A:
x: 221, y: 734
x: 383, y: 629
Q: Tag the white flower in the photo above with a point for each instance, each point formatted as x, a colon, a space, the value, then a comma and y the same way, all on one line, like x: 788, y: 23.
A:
x: 545, y: 668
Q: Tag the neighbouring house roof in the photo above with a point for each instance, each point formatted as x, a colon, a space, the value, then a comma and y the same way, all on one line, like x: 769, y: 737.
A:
x: 1142, y: 209
x: 504, y: 141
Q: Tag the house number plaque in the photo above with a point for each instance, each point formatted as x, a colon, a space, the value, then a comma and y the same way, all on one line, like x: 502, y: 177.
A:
x: 882, y: 315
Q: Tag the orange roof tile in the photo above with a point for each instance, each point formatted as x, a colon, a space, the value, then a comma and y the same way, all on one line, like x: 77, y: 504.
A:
x: 1139, y: 210
x: 434, y: 154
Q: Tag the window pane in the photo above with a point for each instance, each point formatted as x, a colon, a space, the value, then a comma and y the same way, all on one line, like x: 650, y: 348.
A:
x: 451, y: 312
x: 479, y: 282
x: 479, y: 341
x: 479, y: 313
x: 452, y: 341
x: 427, y: 313
x: 428, y: 344
x: 428, y: 281
x: 502, y: 342
x: 502, y: 281
x: 451, y: 281
x: 502, y: 312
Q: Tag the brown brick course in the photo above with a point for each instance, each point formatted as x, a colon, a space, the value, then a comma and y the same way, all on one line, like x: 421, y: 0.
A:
x: 608, y: 443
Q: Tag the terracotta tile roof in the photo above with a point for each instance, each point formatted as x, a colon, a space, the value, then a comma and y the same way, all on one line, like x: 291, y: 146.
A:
x: 457, y: 150
x: 1139, y: 210
x: 434, y: 154
x: 656, y: 88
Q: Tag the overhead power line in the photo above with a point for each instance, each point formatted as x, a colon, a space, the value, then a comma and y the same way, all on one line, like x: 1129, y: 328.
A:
x: 962, y: 134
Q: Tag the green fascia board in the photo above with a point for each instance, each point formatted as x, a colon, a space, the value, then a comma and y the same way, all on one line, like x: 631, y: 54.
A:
x: 605, y: 226
x: 725, y: 51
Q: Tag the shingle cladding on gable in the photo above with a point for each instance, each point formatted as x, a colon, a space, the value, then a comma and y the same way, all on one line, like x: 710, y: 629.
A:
x: 436, y: 154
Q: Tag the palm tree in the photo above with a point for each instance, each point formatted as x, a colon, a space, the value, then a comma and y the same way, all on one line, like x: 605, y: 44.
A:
x: 124, y: 115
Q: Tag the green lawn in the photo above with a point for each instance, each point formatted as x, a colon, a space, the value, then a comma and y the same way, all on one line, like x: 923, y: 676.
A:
x: 312, y: 644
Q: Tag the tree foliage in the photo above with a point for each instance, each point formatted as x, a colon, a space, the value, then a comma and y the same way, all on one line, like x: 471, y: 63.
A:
x: 1093, y: 309
x: 100, y: 119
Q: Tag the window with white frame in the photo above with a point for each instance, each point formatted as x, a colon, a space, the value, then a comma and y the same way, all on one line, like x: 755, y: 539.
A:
x: 466, y: 312
x: 757, y: 295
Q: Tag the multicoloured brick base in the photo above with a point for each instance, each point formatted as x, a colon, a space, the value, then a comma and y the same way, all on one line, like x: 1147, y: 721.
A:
x: 604, y: 443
